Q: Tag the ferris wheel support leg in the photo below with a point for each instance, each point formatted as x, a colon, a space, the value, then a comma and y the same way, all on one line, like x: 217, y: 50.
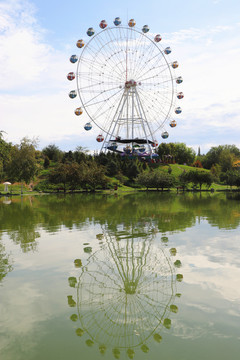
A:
x: 141, y: 111
x: 108, y: 137
x: 132, y: 117
x: 119, y: 116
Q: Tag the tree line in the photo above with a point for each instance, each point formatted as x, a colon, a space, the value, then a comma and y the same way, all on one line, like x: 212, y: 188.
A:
x: 54, y: 169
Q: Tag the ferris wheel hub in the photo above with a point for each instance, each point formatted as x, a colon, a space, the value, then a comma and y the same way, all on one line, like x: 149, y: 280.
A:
x: 130, y: 83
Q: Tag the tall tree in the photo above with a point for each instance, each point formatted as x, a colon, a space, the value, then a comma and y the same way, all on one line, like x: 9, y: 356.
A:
x: 5, y: 149
x: 23, y: 164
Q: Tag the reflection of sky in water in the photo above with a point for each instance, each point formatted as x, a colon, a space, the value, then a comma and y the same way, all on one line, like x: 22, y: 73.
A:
x: 35, y: 318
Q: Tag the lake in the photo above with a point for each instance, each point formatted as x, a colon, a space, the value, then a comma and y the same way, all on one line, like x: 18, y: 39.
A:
x: 145, y: 276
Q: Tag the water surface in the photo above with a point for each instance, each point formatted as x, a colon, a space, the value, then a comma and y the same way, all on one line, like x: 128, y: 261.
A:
x: 143, y: 276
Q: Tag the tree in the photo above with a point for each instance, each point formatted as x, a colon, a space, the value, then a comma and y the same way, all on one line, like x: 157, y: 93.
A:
x: 46, y: 162
x: 145, y: 179
x: 53, y: 152
x: 184, y: 179
x: 155, y: 179
x: 95, y: 177
x: 179, y: 152
x: 74, y: 175
x: 226, y: 160
x: 66, y: 174
x: 229, y: 177
x: 213, y: 156
x: 5, y: 149
x: 163, y: 180
x: 23, y: 164
x: 198, y: 177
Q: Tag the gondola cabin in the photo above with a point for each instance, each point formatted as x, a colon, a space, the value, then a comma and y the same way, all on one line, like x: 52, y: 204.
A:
x: 157, y: 38
x: 175, y: 65
x: 78, y: 111
x: 88, y: 126
x: 103, y: 24
x: 173, y: 123
x: 100, y: 138
x: 80, y: 44
x: 180, y: 95
x: 117, y: 21
x: 165, y: 135
x: 179, y: 80
x: 72, y: 94
x: 132, y: 23
x: 73, y: 59
x: 90, y: 32
x: 71, y: 76
x: 178, y: 110
x: 145, y: 29
x: 168, y: 50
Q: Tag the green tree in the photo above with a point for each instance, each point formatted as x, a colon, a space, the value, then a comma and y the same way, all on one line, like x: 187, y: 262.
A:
x: 226, y: 159
x: 23, y: 166
x: 64, y: 175
x: 200, y: 178
x: 145, y: 179
x: 184, y: 179
x: 229, y: 177
x: 180, y: 153
x: 5, y: 150
x: 155, y: 179
x: 95, y: 177
x: 46, y: 162
x: 213, y: 155
x: 53, y: 152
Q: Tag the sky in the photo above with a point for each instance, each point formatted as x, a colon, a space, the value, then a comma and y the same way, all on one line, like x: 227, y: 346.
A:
x: 37, y: 37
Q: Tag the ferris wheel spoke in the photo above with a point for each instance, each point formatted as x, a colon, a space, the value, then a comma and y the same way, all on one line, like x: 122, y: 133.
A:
x: 156, y: 114
x: 113, y: 41
x: 145, y: 52
x: 148, y: 65
x: 101, y: 93
x: 145, y: 57
x: 98, y: 114
x: 109, y: 49
x: 163, y: 68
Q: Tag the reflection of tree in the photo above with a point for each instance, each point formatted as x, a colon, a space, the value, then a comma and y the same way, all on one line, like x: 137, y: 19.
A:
x: 20, y: 221
x: 126, y: 291
x: 171, y: 212
x: 5, y: 267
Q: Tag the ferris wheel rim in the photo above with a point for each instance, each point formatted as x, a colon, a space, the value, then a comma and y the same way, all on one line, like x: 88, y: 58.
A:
x: 141, y: 341
x: 160, y: 52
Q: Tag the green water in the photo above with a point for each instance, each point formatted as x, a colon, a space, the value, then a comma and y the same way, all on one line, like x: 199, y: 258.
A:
x: 143, y: 276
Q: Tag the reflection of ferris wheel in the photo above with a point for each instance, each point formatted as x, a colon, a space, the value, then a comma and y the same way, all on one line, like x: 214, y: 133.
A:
x: 127, y: 86
x: 125, y: 292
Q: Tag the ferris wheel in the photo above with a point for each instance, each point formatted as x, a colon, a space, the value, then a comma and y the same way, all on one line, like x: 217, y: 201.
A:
x: 127, y: 86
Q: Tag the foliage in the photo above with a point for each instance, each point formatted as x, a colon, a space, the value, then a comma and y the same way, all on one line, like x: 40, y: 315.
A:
x: 198, y: 178
x: 180, y: 153
x: 5, y: 149
x: 23, y: 164
x: 75, y: 176
x: 220, y: 155
x: 53, y: 152
x: 231, y: 178
x: 197, y: 164
x: 155, y: 179
x: 184, y: 179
